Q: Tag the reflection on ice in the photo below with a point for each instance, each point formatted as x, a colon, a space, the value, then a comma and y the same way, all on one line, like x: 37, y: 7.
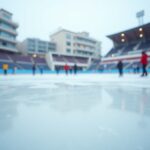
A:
x: 73, y: 113
x: 129, y: 99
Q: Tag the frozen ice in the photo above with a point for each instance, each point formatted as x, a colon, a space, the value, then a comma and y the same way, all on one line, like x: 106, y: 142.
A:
x: 74, y: 112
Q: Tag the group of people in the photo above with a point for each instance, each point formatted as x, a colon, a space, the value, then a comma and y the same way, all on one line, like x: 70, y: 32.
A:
x: 34, y: 68
x: 74, y: 69
x: 143, y: 61
x: 68, y: 69
x: 5, y: 68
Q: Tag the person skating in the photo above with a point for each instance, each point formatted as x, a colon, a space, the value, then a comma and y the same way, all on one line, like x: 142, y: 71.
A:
x: 41, y: 70
x: 57, y: 68
x: 14, y: 69
x: 66, y: 68
x: 70, y: 69
x: 5, y: 68
x: 144, y: 62
x: 120, y: 68
x: 33, y: 69
x: 75, y: 68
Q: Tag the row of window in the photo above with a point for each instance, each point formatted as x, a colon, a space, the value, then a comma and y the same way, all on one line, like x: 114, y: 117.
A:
x: 85, y: 40
x: 84, y: 53
x: 7, y: 35
x: 80, y: 45
x: 6, y: 16
x: 33, y: 46
x: 32, y: 43
x: 6, y: 26
x: 79, y: 52
x: 7, y: 44
x: 84, y: 46
x: 41, y: 50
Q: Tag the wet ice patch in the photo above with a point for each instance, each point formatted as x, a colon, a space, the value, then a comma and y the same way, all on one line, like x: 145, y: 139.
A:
x: 44, y: 86
x: 104, y: 131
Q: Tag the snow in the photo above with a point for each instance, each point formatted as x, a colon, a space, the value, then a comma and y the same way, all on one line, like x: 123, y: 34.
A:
x: 74, y: 112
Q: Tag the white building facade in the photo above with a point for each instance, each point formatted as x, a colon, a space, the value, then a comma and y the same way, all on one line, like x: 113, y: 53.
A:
x: 8, y: 32
x: 76, y: 43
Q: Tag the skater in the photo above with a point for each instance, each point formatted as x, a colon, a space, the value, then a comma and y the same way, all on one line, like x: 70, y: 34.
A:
x: 33, y: 69
x: 70, y: 69
x: 41, y: 71
x: 5, y: 68
x: 138, y: 69
x: 120, y: 68
x: 144, y: 62
x: 134, y: 68
x: 14, y: 69
x: 57, y: 68
x: 75, y: 68
x: 66, y: 68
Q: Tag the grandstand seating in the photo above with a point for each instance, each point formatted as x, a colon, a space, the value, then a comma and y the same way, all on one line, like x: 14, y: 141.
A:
x: 82, y: 60
x: 20, y: 58
x: 58, y: 58
x: 69, y: 59
x: 4, y: 57
x: 128, y: 46
x: 145, y: 45
x: 39, y: 60
x: 40, y: 63
x: 22, y: 61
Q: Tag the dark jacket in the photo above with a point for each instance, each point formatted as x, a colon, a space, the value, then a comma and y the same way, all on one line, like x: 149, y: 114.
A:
x: 120, y: 65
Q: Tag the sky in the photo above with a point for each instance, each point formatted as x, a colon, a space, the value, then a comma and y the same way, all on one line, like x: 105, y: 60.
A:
x: 40, y: 18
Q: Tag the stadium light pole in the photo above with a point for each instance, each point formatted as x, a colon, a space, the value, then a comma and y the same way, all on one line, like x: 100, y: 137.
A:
x: 140, y: 17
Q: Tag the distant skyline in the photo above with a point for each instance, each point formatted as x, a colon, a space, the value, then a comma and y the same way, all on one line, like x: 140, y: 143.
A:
x: 39, y: 19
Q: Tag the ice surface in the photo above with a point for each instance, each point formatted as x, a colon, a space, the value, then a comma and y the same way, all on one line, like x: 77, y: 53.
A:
x: 83, y: 112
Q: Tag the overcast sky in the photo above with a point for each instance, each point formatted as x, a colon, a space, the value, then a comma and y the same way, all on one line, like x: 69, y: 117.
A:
x: 40, y: 18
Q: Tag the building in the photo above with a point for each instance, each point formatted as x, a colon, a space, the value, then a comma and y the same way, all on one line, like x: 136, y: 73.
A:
x: 76, y: 43
x: 8, y: 32
x: 36, y: 46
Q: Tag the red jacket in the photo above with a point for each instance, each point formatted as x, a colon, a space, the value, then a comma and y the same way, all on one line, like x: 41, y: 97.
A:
x: 66, y: 67
x: 144, y: 59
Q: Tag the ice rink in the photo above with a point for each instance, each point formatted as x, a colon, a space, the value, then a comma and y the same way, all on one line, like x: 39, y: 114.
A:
x: 82, y: 112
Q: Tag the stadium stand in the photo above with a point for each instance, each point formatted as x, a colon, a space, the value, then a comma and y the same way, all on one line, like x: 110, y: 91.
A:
x: 57, y: 60
x: 26, y: 62
x: 41, y: 63
x: 21, y: 61
x: 128, y: 46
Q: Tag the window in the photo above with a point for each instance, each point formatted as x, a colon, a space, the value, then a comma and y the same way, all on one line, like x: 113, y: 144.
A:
x: 4, y: 43
x: 68, y: 50
x: 68, y: 36
x: 68, y: 43
x: 31, y: 50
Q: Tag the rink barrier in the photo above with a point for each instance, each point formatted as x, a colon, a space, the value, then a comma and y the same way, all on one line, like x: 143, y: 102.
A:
x: 10, y: 71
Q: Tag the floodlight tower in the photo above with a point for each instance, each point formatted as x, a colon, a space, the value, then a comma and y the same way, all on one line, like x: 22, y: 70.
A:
x: 140, y: 17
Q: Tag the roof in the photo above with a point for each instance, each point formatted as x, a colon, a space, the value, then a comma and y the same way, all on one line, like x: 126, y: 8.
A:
x: 77, y: 34
x: 3, y: 10
x: 131, y: 34
x: 61, y: 30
